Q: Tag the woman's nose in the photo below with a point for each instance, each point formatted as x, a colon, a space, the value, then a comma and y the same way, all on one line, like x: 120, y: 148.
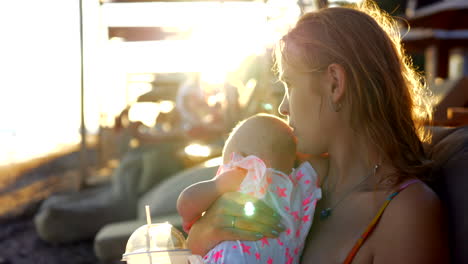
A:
x: 283, y: 109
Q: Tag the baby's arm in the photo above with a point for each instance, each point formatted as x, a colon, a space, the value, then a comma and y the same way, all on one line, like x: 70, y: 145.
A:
x: 198, y: 197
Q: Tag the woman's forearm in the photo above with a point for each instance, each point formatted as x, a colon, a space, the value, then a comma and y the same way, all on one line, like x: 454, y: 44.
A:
x: 215, y: 225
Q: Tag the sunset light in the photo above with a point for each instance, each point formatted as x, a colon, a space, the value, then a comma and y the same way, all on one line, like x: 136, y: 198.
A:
x: 212, y: 41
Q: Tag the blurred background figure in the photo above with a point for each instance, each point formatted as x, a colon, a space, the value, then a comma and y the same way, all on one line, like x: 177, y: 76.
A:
x: 149, y: 155
x: 150, y: 152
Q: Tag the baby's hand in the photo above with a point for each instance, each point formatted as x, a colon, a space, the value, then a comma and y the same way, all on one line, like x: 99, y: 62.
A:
x: 229, y: 181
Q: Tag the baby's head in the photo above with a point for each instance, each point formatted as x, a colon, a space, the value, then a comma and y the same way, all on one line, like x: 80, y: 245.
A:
x: 265, y: 136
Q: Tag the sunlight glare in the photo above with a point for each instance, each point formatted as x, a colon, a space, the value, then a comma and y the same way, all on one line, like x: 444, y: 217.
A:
x: 197, y: 150
x: 166, y: 106
x: 141, y: 78
x: 136, y: 89
x: 249, y: 209
x: 145, y: 112
x: 218, y: 44
x: 218, y: 161
x: 245, y: 91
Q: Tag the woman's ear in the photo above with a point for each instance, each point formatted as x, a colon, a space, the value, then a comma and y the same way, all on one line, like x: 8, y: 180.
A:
x: 336, y: 76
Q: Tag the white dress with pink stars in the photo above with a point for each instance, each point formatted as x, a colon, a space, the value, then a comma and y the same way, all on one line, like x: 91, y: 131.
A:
x: 293, y: 197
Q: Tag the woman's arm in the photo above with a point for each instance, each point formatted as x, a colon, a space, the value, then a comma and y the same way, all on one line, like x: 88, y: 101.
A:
x: 198, y: 197
x: 412, y: 229
x: 228, y: 210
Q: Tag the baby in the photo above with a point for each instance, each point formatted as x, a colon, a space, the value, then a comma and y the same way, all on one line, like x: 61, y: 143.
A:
x: 258, y: 159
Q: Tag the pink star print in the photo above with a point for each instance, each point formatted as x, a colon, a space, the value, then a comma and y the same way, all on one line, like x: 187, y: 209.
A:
x: 296, y: 251
x: 306, y: 208
x: 288, y: 232
x: 269, y: 180
x: 305, y: 218
x: 218, y: 255
x: 270, y: 261
x: 296, y: 215
x: 299, y: 175
x: 298, y: 233
x: 257, y: 255
x: 279, y: 242
x: 306, y: 201
x: 234, y: 246
x: 245, y: 248
x: 290, y: 260
x: 281, y: 191
x: 265, y: 242
x: 291, y: 178
x: 307, y: 182
x: 286, y: 208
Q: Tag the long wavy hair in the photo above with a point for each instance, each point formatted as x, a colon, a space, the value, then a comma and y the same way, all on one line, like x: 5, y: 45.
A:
x: 388, y: 98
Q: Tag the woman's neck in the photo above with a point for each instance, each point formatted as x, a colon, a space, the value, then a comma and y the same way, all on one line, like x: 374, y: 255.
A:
x: 350, y: 161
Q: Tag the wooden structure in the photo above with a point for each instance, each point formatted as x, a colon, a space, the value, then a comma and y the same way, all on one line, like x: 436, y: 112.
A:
x: 439, y: 30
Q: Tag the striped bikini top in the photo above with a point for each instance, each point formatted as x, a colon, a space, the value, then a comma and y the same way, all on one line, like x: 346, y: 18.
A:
x: 374, y: 222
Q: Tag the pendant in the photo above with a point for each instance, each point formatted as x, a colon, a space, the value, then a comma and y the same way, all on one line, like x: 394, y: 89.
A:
x: 325, y: 213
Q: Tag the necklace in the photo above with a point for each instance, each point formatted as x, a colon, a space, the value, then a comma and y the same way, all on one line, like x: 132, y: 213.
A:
x: 325, y: 213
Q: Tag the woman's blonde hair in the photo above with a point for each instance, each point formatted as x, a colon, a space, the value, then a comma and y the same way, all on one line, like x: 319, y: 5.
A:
x: 387, y: 97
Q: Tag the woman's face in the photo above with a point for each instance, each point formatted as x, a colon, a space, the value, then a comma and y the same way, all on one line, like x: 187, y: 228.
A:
x: 305, y: 107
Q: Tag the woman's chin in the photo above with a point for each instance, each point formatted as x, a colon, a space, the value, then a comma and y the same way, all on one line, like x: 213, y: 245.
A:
x: 305, y: 151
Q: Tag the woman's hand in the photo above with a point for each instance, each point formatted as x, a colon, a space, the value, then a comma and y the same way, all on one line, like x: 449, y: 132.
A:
x: 227, y: 219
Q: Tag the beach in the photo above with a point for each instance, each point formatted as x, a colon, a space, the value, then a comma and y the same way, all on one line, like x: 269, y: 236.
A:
x: 22, y: 190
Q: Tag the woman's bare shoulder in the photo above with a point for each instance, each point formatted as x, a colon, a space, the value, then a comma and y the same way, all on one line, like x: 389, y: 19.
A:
x: 412, y: 229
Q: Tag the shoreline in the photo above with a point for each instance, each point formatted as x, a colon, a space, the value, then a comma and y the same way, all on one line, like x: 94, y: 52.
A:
x: 11, y: 173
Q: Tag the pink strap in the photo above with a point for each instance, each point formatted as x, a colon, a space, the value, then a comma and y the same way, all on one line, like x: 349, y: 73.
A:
x: 408, y: 183
x: 374, y: 222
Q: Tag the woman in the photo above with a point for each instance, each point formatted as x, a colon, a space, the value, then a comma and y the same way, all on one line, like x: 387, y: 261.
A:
x: 352, y: 94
